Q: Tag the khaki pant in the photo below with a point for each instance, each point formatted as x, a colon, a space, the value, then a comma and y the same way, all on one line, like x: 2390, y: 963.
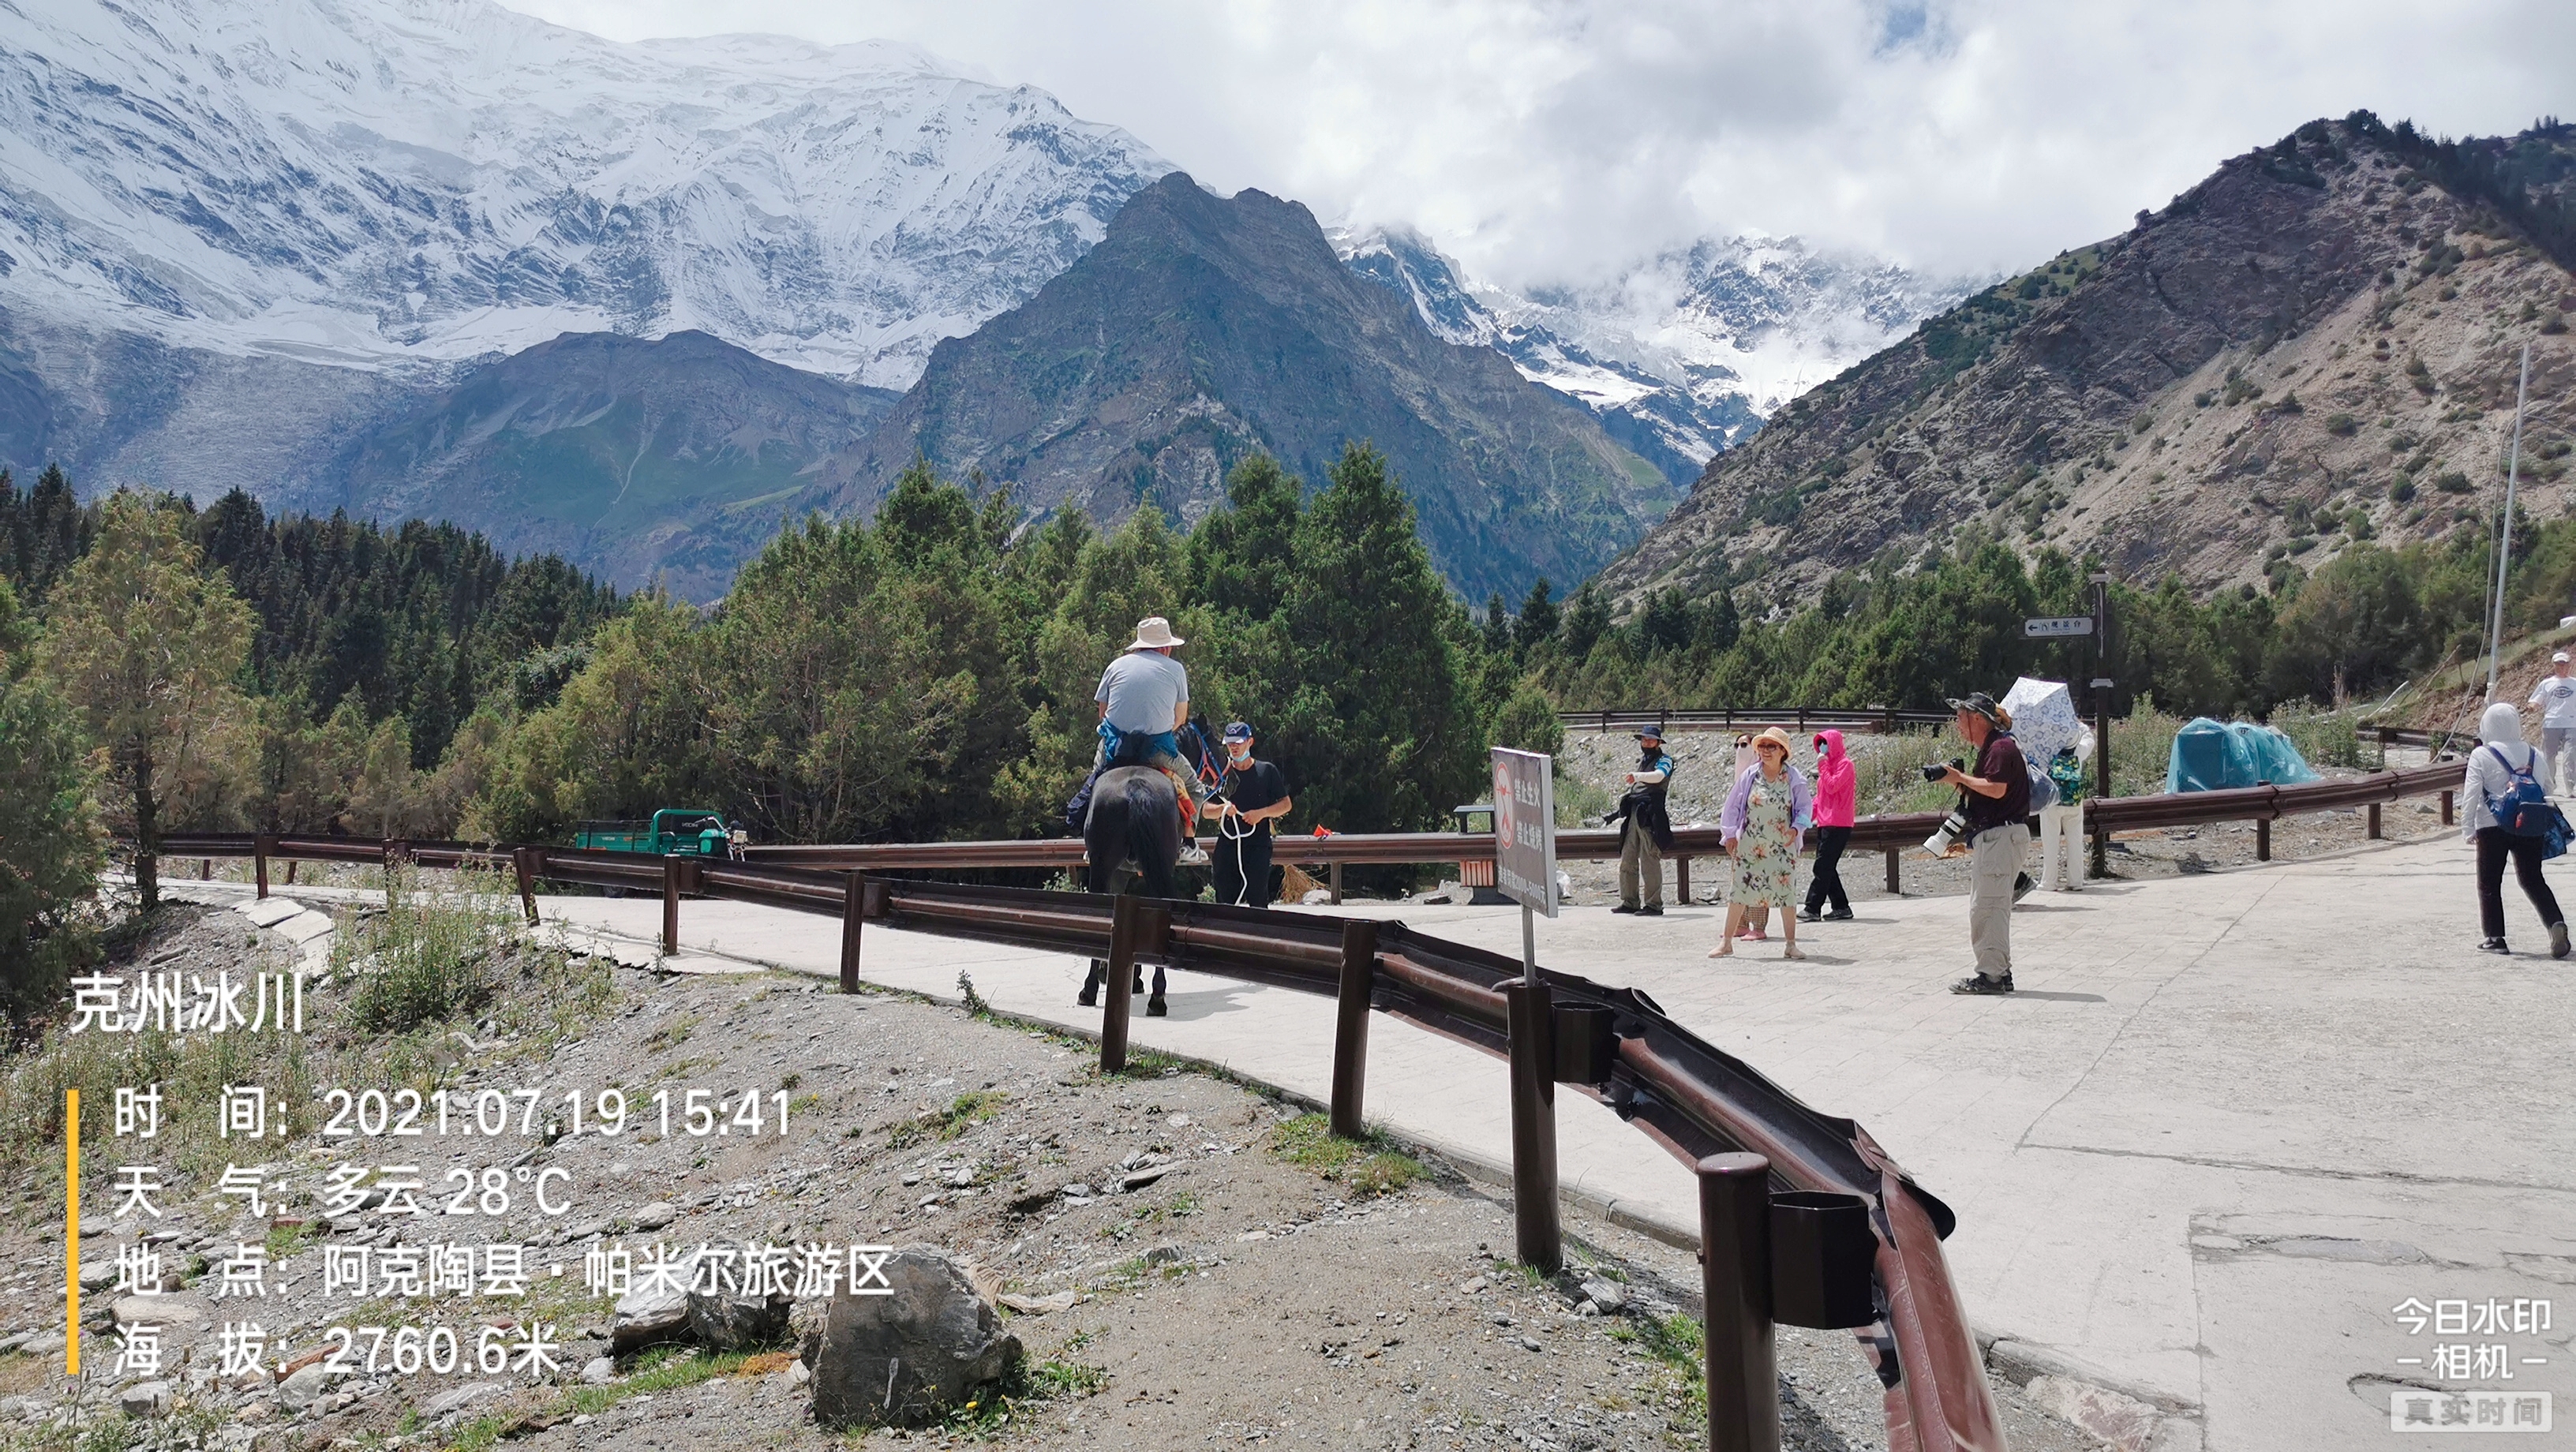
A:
x: 1994, y: 861
x: 1637, y: 850
x: 2061, y: 833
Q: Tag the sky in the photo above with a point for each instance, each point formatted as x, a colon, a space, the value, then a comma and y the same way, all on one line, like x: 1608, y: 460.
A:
x: 1549, y: 142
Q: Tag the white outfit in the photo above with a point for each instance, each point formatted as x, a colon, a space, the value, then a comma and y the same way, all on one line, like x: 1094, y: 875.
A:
x: 2557, y: 696
x: 2488, y: 779
x: 2061, y: 825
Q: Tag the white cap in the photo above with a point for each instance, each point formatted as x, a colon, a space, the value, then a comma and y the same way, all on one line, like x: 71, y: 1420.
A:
x: 2559, y: 659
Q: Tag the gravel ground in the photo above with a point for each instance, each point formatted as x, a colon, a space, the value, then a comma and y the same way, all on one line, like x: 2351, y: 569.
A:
x: 1247, y: 1297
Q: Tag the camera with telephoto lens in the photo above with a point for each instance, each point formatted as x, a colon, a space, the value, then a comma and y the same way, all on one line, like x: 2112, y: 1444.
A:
x: 1932, y: 769
x: 1952, y: 830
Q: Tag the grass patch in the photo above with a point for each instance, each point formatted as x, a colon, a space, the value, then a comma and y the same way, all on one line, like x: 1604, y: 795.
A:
x: 993, y: 1411
x: 1365, y: 1167
x: 962, y: 1114
x: 1676, y: 1345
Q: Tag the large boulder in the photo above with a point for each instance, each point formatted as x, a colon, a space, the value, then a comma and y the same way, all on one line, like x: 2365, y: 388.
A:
x: 733, y: 1321
x: 908, y: 1358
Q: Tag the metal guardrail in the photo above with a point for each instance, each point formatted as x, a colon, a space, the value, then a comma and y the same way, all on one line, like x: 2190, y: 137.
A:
x: 1880, y: 719
x: 1837, y: 1234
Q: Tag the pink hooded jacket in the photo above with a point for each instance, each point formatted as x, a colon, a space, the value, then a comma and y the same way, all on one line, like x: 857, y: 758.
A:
x: 1837, y: 782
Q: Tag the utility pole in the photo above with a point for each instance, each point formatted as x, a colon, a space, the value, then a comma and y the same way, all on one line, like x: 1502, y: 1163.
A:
x: 2101, y: 711
x: 2504, y: 529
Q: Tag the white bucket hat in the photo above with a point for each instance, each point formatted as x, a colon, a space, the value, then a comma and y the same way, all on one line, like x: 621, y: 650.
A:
x: 1155, y: 633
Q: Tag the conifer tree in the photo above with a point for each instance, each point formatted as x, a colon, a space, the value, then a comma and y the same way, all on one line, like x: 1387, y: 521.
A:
x: 145, y: 645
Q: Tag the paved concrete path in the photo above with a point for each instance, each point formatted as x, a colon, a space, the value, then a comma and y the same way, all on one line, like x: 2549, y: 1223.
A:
x: 2230, y: 1122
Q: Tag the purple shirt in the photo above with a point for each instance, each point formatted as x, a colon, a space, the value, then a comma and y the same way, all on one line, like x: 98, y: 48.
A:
x: 1802, y: 814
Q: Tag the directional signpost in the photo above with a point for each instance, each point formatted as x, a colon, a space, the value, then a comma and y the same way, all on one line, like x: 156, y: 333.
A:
x: 2052, y: 627
x: 1525, y: 871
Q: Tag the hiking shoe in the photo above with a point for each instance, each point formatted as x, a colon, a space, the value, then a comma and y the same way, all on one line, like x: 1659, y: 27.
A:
x: 2558, y: 940
x: 1978, y: 984
x: 1810, y: 915
x: 1839, y: 915
x: 1627, y: 907
x: 2493, y: 945
x: 1656, y: 910
x: 2022, y: 886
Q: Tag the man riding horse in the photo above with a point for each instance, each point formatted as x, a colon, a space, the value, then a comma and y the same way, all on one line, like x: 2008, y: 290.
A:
x: 1144, y: 700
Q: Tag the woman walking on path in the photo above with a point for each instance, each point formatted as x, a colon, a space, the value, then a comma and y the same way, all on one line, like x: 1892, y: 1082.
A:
x: 1766, y: 818
x: 2501, y: 756
x: 1837, y: 793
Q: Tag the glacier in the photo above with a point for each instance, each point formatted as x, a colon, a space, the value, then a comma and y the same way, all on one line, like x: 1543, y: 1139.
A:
x: 380, y: 184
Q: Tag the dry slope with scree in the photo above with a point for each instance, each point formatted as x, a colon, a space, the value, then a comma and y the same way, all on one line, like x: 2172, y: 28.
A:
x: 2315, y: 345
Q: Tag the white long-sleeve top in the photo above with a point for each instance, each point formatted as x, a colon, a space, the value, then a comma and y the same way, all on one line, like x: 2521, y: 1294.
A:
x: 2488, y: 780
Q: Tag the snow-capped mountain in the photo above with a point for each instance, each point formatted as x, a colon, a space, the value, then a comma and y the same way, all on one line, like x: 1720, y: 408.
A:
x: 369, y: 183
x: 1683, y: 355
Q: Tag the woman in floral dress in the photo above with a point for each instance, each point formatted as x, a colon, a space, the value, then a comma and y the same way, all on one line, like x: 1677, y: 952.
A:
x: 1764, y: 824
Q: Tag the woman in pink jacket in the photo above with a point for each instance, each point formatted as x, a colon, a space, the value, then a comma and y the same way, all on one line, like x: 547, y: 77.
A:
x: 1837, y: 788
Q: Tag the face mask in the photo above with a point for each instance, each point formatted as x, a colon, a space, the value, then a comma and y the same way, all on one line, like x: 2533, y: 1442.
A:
x: 1238, y: 751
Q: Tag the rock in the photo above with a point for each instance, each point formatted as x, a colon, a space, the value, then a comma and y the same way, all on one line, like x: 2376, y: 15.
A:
x: 41, y: 1343
x: 1083, y: 1192
x: 586, y: 1230
x: 599, y: 1371
x: 797, y: 1375
x: 649, y: 1316
x: 655, y: 1215
x: 905, y: 1359
x: 1586, y: 1309
x: 1138, y: 1179
x: 732, y: 1321
x: 452, y: 1402
x: 1608, y: 1295
x: 96, y: 1274
x: 1041, y: 1305
x: 144, y: 1399
x: 163, y: 1310
x: 303, y: 1387
x: 1182, y: 1121
x: 1163, y: 1255
x: 1477, y: 1283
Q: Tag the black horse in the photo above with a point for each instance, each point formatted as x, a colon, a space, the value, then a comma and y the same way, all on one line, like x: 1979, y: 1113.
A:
x: 1135, y: 817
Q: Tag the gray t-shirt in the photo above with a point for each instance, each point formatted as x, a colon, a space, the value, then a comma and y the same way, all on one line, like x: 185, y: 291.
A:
x: 2558, y: 695
x: 1144, y: 689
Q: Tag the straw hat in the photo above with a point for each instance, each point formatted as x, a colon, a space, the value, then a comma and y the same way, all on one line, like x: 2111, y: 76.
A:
x: 1776, y: 737
x: 1155, y: 633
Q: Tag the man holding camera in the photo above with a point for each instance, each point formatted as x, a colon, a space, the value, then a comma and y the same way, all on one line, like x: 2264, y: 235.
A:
x: 1996, y: 801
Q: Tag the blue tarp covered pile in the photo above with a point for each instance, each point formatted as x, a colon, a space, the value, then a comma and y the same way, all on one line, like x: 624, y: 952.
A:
x: 2209, y: 755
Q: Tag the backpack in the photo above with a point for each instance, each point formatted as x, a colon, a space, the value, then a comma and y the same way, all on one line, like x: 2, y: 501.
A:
x: 2524, y: 809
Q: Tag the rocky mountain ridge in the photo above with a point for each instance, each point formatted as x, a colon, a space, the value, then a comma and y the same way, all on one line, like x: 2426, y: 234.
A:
x: 1203, y: 328
x: 2315, y: 346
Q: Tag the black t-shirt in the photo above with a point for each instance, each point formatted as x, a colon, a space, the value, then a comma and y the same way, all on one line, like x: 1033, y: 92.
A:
x: 2000, y: 760
x: 1254, y: 787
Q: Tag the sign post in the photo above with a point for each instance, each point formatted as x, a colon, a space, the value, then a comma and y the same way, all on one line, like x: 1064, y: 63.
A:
x: 1525, y: 871
x: 2101, y: 713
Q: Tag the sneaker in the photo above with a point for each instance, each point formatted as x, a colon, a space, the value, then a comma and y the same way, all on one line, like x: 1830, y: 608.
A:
x: 1656, y: 910
x: 2494, y: 945
x: 1839, y: 915
x: 1626, y: 907
x: 2022, y: 886
x: 1978, y: 984
x: 1810, y: 915
x: 2558, y: 940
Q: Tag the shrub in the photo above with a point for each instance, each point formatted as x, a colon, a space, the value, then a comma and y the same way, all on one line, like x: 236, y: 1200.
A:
x: 1528, y: 721
x: 2453, y: 482
x: 2342, y: 425
x: 2401, y: 489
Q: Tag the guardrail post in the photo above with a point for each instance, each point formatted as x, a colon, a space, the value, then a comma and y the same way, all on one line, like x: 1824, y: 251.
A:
x: 1350, y: 1026
x: 1337, y: 875
x: 290, y: 871
x: 523, y: 865
x: 1539, y: 1238
x: 2262, y: 839
x: 2446, y: 809
x: 205, y: 869
x: 260, y: 847
x: 1892, y: 888
x: 1735, y: 1278
x: 1126, y: 924
x: 1681, y: 880
x: 670, y: 905
x: 2374, y: 821
x: 854, y: 911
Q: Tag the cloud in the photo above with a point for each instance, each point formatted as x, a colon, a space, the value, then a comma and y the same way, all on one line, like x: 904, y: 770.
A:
x: 1547, y: 142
